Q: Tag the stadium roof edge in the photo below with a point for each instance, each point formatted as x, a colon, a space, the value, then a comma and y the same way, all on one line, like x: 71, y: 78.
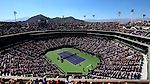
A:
x: 123, y: 33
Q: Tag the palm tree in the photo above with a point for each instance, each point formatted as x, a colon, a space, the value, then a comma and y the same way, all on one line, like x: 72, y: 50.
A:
x: 144, y: 15
x: 84, y: 17
x: 119, y: 13
x: 132, y: 12
x: 93, y: 16
x: 15, y: 13
x: 63, y: 16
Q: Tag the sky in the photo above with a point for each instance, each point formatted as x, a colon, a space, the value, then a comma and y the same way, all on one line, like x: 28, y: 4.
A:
x: 102, y: 9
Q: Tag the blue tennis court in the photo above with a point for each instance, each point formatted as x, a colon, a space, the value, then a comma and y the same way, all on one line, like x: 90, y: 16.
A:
x: 74, y: 59
x: 65, y: 54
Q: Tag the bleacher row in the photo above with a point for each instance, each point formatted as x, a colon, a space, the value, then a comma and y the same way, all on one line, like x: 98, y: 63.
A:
x: 72, y: 81
x: 107, y: 26
x: 31, y: 80
x: 119, y: 60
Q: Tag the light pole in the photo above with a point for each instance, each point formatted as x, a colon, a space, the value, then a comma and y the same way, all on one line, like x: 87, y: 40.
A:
x: 15, y: 13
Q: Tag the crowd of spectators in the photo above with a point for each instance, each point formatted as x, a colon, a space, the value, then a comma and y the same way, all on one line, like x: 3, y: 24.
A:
x: 119, y: 60
x: 24, y: 60
x: 64, y: 81
x: 134, y: 28
x: 31, y: 81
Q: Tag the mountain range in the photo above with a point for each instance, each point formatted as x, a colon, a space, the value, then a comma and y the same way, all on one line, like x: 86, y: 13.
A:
x: 122, y: 20
x: 71, y: 19
x: 36, y: 18
x: 18, y: 19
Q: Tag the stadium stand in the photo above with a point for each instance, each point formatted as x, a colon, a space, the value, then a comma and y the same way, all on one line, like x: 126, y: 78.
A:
x: 69, y: 23
x: 23, y: 47
x: 119, y: 61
